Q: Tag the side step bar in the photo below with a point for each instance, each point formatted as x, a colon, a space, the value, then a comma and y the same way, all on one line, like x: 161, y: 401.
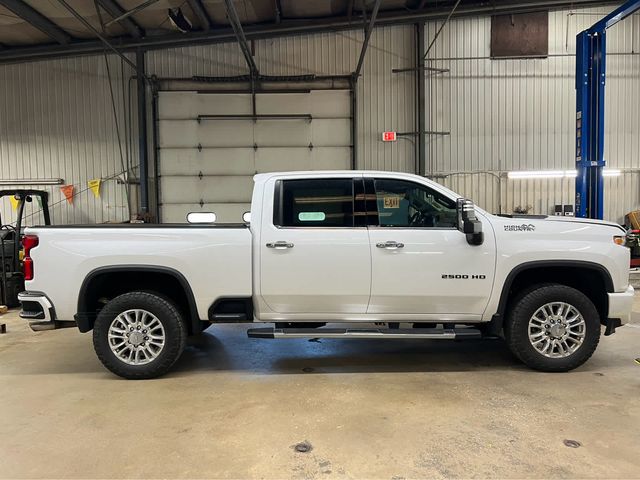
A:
x: 403, y: 333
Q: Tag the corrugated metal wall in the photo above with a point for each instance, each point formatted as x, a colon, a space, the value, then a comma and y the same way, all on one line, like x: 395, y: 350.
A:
x: 520, y: 114
x: 386, y: 101
x: 56, y: 121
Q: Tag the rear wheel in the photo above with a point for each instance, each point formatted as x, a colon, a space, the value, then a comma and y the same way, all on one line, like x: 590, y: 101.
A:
x: 553, y: 328
x: 139, y: 335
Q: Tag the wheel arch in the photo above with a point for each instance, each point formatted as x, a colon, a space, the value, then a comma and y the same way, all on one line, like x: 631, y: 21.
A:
x: 153, y: 278
x: 556, y: 271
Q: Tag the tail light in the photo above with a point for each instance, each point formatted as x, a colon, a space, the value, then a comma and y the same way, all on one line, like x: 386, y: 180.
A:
x: 28, y: 242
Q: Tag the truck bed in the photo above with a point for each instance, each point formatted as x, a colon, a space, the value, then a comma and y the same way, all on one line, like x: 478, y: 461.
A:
x: 215, y: 260
x: 146, y: 225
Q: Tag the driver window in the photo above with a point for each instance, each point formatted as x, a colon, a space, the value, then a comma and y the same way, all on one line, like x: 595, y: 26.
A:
x: 407, y: 204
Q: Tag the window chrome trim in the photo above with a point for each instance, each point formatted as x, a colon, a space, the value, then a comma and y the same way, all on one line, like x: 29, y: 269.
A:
x: 279, y: 227
x: 391, y: 227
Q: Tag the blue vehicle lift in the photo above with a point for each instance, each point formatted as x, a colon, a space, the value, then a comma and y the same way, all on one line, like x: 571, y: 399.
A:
x: 590, y: 81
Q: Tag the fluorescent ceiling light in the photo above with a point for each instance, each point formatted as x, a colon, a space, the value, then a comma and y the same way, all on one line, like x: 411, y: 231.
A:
x: 537, y: 174
x: 608, y: 172
x: 32, y: 181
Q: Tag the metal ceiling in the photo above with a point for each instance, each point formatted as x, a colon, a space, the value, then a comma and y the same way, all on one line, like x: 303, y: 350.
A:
x: 39, y: 29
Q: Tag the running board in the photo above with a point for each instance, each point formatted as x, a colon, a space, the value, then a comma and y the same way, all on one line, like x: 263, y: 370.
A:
x: 391, y: 333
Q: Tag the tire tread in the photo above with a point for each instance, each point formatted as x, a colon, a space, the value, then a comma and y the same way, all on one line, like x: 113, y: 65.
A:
x: 516, y: 328
x: 155, y: 368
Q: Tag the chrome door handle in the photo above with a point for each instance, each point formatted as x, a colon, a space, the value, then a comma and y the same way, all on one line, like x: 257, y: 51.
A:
x: 390, y: 245
x: 280, y: 245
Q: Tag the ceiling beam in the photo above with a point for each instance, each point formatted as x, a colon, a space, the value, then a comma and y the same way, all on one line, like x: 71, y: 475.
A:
x: 117, y: 12
x: 133, y: 11
x: 36, y: 19
x: 236, y: 25
x: 102, y: 38
x: 277, y: 11
x: 349, y: 9
x: 446, y: 20
x: 288, y: 27
x: 201, y: 12
x: 367, y: 37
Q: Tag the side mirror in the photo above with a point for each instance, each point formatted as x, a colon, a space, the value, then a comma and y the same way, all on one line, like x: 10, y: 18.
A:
x: 468, y: 223
x: 201, y: 217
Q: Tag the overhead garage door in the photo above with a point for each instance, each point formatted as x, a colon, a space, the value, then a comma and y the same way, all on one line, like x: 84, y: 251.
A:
x: 210, y: 150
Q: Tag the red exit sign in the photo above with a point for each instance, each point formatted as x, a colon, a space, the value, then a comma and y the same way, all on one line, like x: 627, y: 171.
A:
x: 389, y: 136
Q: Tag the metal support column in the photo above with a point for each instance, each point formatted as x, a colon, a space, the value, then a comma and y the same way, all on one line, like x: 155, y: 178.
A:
x: 354, y: 122
x: 142, y: 132
x: 590, y: 81
x: 590, y: 86
x: 156, y: 150
x: 421, y: 166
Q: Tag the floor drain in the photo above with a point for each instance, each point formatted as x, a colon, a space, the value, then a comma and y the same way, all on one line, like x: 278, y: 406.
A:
x: 308, y: 369
x: 572, y: 443
x: 303, y: 447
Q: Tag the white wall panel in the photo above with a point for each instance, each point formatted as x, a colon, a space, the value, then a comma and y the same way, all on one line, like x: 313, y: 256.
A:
x: 519, y: 114
x: 56, y: 121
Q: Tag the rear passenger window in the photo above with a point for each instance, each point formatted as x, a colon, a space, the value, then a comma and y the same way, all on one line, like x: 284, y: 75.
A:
x: 315, y: 203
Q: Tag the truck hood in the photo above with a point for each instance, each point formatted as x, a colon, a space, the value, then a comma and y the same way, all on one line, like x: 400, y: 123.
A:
x: 523, y: 221
x: 584, y: 220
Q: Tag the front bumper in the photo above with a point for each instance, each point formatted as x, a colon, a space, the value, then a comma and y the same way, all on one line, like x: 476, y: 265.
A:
x: 621, y: 304
x: 38, y: 309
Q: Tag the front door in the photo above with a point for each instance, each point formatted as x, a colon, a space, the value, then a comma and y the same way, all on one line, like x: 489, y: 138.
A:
x: 421, y: 262
x: 314, y: 258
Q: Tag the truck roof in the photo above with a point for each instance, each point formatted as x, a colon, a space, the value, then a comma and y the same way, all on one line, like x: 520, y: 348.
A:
x: 263, y: 176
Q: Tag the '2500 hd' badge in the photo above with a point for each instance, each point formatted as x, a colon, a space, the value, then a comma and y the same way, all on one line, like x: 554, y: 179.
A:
x: 464, y: 276
x: 525, y: 227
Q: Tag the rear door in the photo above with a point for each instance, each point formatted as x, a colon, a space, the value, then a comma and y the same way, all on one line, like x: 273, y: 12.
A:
x: 421, y: 262
x: 315, y: 254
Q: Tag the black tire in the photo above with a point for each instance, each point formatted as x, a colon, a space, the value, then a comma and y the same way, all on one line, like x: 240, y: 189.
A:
x: 165, y: 311
x: 523, y: 308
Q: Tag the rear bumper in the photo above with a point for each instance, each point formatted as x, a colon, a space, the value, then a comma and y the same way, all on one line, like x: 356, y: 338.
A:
x: 621, y: 304
x: 38, y: 310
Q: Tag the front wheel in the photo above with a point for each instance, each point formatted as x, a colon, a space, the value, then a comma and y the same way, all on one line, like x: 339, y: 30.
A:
x: 139, y: 335
x: 553, y: 328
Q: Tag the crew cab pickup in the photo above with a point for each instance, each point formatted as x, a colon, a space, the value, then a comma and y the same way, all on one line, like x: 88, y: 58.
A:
x: 383, y: 255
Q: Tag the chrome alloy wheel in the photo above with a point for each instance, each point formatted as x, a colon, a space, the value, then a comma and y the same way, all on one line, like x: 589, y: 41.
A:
x: 557, y: 330
x: 136, y: 337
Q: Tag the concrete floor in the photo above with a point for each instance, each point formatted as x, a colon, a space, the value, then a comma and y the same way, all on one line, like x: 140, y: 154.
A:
x: 234, y: 407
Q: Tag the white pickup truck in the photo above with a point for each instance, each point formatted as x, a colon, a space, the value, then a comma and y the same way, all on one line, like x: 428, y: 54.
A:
x: 387, y: 255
